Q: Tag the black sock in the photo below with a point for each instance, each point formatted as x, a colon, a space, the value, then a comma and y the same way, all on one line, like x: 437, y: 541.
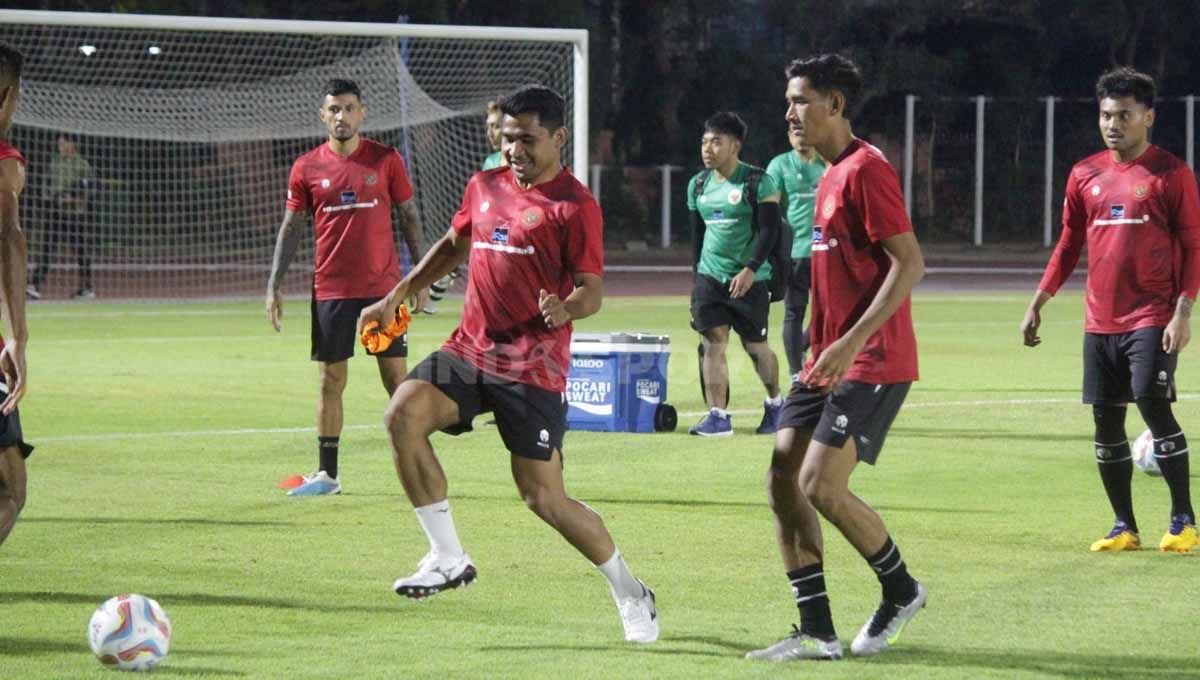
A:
x: 327, y: 450
x: 1171, y: 453
x: 808, y: 584
x: 1116, y: 470
x: 898, y: 586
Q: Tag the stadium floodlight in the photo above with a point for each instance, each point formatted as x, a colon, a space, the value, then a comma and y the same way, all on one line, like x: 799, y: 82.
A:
x: 192, y: 147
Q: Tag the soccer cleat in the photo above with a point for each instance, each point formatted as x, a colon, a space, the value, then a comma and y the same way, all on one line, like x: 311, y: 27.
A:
x: 1181, y: 537
x: 886, y: 624
x: 799, y: 647
x: 639, y: 616
x: 32, y: 292
x: 434, y: 575
x: 1120, y: 538
x: 770, y: 419
x: 713, y: 425
x: 85, y: 293
x: 317, y: 484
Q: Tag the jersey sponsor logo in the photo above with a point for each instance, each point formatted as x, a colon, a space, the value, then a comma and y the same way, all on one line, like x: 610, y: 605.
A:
x: 500, y: 234
x: 1116, y: 212
x: 372, y: 179
x: 501, y: 248
x: 350, y: 206
x: 1140, y: 191
x: 349, y: 196
x: 532, y: 216
x: 828, y: 207
x: 735, y: 196
x: 718, y: 214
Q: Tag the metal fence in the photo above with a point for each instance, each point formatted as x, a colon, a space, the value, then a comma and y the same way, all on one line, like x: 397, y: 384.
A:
x: 975, y: 171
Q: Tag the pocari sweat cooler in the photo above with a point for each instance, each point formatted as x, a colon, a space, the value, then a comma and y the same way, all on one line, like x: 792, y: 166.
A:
x: 618, y: 383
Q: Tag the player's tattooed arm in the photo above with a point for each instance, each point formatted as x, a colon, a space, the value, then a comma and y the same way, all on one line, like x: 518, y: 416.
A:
x: 410, y: 225
x: 286, y: 245
x: 1178, y: 332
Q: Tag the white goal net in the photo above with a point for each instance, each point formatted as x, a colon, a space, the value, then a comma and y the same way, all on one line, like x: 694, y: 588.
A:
x: 190, y: 127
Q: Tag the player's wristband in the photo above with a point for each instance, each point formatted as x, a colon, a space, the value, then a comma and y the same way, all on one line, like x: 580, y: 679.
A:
x: 376, y: 340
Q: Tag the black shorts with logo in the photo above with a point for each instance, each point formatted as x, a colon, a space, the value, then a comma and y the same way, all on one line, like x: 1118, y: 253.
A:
x: 531, y: 420
x: 854, y: 409
x: 712, y: 307
x: 1123, y: 367
x: 10, y: 428
x: 335, y: 330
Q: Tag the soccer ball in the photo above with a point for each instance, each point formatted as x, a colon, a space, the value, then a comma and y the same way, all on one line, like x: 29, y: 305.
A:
x: 1143, y: 454
x: 130, y: 632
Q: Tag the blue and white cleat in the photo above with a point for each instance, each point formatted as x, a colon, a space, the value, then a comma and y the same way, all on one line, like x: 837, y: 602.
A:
x: 317, y: 484
x: 713, y: 425
x: 770, y: 419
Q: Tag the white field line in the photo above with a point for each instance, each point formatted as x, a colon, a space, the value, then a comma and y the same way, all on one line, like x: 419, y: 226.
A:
x: 114, y: 436
x: 205, y: 338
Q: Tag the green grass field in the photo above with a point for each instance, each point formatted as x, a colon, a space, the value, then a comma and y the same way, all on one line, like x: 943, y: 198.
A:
x: 162, y: 429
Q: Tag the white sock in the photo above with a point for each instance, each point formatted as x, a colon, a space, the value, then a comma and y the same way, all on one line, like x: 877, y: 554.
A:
x: 624, y: 585
x: 438, y: 524
x: 775, y: 400
x: 720, y: 411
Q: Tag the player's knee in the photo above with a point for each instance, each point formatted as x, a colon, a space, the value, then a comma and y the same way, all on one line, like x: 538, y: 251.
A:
x: 542, y: 501
x: 403, y: 417
x: 1156, y: 411
x: 825, y: 497
x: 333, y: 383
x: 1110, y: 423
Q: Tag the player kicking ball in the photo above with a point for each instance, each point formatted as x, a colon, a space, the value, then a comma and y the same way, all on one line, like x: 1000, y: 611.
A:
x: 865, y: 262
x: 535, y: 236
x: 1137, y: 209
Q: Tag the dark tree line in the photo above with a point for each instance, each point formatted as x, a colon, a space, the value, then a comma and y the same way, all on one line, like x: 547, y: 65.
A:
x: 658, y: 68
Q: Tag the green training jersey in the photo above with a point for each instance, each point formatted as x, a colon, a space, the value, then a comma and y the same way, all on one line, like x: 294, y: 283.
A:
x: 798, y: 179
x: 728, y: 232
x: 494, y: 160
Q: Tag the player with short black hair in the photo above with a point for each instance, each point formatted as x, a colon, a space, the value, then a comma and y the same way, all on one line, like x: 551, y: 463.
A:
x: 492, y: 127
x: 797, y: 172
x: 1137, y: 209
x: 350, y: 185
x: 13, y: 253
x: 535, y: 235
x: 865, y: 262
x: 734, y: 212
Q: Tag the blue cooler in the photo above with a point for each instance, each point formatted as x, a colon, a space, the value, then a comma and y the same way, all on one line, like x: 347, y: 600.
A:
x: 618, y: 383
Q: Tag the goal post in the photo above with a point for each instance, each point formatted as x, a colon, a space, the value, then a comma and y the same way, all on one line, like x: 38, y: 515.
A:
x: 190, y: 126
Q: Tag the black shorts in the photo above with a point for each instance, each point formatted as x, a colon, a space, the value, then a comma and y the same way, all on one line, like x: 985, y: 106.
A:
x: 712, y: 307
x: 335, y: 330
x: 1124, y: 367
x: 10, y: 429
x: 531, y: 420
x: 854, y: 409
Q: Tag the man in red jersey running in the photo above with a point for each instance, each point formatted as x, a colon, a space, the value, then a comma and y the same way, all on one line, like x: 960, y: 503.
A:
x: 535, y: 235
x: 1136, y: 208
x: 865, y: 262
x: 350, y: 185
x: 13, y: 449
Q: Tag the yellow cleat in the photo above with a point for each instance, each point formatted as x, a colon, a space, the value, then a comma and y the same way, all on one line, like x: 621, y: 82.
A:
x: 1181, y: 537
x: 1120, y: 538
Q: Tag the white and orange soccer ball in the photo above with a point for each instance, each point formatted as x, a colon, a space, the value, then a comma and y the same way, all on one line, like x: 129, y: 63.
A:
x: 1143, y: 454
x: 130, y: 632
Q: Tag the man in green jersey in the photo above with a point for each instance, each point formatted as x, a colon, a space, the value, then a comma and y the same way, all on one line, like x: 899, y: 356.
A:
x: 796, y: 173
x: 495, y: 159
x: 71, y: 182
x: 734, y: 211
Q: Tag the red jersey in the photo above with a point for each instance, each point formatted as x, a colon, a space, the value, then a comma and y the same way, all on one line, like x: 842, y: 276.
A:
x: 351, y: 198
x: 1141, y: 223
x: 523, y: 241
x: 9, y: 151
x: 858, y: 205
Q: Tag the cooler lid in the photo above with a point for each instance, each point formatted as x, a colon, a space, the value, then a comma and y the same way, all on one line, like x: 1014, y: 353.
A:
x: 604, y: 343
